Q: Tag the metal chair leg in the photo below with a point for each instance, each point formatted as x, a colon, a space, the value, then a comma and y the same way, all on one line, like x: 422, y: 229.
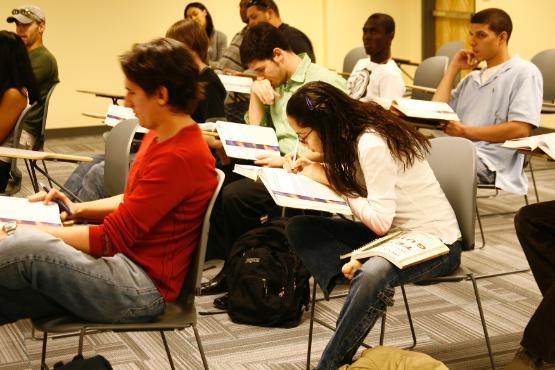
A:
x: 534, y: 181
x: 382, y: 327
x: 311, y: 325
x: 43, y: 365
x: 81, y: 339
x: 482, y: 318
x: 48, y: 177
x: 480, y: 225
x: 409, y: 316
x: 200, y: 348
x: 167, y: 348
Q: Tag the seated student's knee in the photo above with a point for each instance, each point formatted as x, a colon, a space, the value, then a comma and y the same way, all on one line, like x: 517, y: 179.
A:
x: 30, y: 242
x: 231, y: 193
x: 375, y: 273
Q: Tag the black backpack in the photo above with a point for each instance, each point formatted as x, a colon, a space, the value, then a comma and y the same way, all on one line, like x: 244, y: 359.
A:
x: 267, y: 283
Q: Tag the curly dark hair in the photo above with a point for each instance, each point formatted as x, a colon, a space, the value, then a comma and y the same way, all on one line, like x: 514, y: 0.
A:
x: 260, y: 41
x: 340, y: 120
x: 15, y: 66
x: 169, y: 63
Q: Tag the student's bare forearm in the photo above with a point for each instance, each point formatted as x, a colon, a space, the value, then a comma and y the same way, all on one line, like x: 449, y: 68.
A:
x: 256, y: 110
x: 96, y: 210
x: 76, y: 236
x: 443, y: 92
x: 498, y: 133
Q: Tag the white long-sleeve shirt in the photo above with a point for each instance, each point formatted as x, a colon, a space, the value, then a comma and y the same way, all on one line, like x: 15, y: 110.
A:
x: 411, y: 198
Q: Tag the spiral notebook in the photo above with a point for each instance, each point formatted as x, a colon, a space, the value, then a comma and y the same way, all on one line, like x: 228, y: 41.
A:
x: 403, y: 248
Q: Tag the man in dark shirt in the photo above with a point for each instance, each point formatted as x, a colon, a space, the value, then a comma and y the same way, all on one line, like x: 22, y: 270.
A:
x: 267, y: 11
x: 30, y: 22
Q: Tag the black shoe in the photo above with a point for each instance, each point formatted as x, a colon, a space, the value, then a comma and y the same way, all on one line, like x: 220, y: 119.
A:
x: 215, y: 286
x: 221, y: 302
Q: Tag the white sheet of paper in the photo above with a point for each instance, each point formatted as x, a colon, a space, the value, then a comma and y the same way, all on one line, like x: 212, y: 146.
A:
x: 298, y: 191
x: 247, y: 141
x: 21, y: 210
x: 118, y: 113
x: 238, y: 84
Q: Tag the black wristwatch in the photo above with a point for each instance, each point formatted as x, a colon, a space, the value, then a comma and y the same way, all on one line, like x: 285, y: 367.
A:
x: 9, y: 227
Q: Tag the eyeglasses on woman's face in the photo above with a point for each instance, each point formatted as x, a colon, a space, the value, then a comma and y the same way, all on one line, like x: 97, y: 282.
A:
x: 303, y: 137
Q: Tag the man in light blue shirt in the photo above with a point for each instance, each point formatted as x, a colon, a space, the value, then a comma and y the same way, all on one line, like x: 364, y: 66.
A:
x: 499, y: 102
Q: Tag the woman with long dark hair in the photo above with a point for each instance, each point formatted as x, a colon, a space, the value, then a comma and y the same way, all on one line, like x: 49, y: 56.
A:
x: 377, y: 162
x: 18, y: 89
x: 218, y: 40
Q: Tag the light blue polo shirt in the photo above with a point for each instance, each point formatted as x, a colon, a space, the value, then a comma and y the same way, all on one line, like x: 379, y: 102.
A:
x: 513, y: 93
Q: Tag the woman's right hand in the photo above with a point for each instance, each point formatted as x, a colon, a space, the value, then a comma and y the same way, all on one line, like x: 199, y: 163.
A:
x: 298, y: 166
x: 49, y: 197
x: 350, y: 268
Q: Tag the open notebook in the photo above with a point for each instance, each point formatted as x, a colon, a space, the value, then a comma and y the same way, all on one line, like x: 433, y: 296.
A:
x: 295, y: 190
x: 422, y: 110
x: 403, y: 248
x: 544, y: 143
x: 24, y: 212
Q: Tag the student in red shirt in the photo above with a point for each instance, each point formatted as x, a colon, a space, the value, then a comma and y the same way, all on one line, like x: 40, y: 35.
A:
x: 124, y: 269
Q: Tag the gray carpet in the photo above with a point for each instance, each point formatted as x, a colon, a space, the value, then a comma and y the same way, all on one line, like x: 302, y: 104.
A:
x: 446, y: 317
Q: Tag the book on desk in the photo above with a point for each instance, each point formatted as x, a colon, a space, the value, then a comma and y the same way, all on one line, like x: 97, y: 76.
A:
x: 535, y: 144
x: 424, y: 112
x: 295, y: 190
x: 403, y: 248
x: 22, y: 211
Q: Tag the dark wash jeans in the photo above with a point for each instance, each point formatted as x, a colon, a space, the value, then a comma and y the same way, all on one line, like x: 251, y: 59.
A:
x: 535, y: 228
x: 319, y: 241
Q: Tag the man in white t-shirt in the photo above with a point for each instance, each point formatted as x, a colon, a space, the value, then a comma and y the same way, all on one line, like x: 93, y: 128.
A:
x: 377, y: 76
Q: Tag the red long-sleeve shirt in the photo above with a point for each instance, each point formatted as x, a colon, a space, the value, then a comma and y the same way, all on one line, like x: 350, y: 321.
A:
x: 158, y: 225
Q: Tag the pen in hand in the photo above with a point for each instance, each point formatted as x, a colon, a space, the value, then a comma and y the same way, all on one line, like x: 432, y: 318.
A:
x: 295, y: 152
x: 63, y: 207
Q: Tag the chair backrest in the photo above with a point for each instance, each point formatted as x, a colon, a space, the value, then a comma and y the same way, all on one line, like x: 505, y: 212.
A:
x: 352, y: 57
x: 453, y: 160
x: 117, y: 161
x: 429, y: 74
x: 39, y: 142
x: 193, y: 280
x: 545, y: 61
x: 449, y: 49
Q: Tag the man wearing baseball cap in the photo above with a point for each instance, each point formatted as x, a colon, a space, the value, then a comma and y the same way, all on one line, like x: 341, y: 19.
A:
x: 30, y: 22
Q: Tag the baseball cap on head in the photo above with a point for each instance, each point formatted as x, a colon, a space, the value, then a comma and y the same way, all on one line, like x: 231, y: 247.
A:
x: 27, y: 14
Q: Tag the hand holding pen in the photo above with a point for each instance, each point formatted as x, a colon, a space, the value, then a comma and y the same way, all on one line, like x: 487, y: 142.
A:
x: 61, y: 204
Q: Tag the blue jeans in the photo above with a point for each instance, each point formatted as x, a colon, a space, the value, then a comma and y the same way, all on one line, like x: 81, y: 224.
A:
x: 87, y: 180
x: 42, y: 276
x: 485, y: 175
x: 319, y: 241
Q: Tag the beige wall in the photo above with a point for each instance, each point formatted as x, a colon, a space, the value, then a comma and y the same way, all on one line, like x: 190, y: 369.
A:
x: 87, y: 36
x: 533, y: 24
